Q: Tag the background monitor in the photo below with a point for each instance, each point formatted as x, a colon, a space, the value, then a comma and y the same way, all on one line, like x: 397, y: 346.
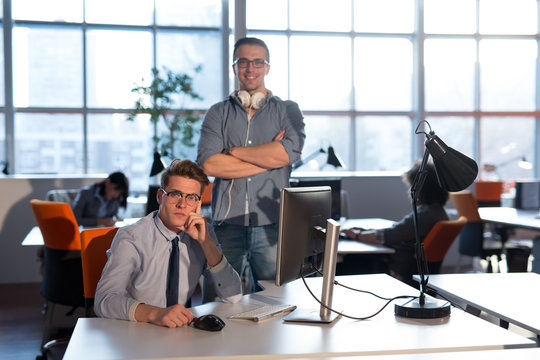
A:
x: 307, y: 242
x: 335, y: 185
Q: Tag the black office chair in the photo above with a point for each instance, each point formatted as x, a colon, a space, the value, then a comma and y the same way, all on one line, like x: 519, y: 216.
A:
x: 62, y: 282
x: 472, y: 239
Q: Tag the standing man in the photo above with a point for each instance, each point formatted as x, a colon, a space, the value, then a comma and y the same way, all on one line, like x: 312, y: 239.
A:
x: 155, y: 264
x: 248, y: 143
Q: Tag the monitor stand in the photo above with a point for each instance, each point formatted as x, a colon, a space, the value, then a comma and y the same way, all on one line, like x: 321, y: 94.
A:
x: 323, y: 316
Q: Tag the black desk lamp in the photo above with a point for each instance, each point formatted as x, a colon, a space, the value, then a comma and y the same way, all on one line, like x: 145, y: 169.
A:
x: 455, y: 172
x: 332, y: 158
x: 157, y: 165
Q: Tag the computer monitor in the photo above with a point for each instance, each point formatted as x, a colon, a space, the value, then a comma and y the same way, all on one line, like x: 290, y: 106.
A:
x: 308, y: 238
x: 335, y: 185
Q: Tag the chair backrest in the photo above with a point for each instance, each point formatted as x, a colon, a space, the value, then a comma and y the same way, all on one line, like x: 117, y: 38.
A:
x: 62, y: 195
x: 57, y: 223
x: 206, y: 197
x: 488, y: 192
x: 466, y: 205
x: 441, y: 237
x: 62, y: 281
x: 94, y: 246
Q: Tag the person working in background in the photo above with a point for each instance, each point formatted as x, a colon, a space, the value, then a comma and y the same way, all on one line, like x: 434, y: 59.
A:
x: 98, y: 204
x: 248, y: 143
x: 155, y: 264
x: 401, y: 236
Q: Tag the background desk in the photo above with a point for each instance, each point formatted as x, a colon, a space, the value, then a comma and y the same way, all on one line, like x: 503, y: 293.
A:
x: 385, y: 333
x: 34, y: 237
x: 512, y: 297
x: 511, y: 218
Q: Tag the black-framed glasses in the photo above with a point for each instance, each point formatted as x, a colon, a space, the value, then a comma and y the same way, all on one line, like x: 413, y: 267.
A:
x: 173, y: 197
x: 244, y: 63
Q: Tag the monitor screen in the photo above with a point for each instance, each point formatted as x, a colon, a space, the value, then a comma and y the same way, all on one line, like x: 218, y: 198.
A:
x: 335, y: 185
x: 307, y: 242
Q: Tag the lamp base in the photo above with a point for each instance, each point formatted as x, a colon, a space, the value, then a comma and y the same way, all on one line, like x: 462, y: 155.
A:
x: 431, y: 309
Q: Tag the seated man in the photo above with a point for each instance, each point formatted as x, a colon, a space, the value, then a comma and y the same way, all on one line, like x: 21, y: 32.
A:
x: 139, y: 282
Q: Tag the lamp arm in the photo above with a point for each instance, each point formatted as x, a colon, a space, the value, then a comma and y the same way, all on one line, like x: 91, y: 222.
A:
x: 301, y: 162
x: 417, y: 184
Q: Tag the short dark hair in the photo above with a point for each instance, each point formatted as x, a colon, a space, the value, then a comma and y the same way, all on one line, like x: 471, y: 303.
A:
x: 187, y: 169
x: 430, y: 192
x: 251, y: 41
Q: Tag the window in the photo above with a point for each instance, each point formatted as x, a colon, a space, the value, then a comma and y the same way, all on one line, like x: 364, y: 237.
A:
x: 364, y: 73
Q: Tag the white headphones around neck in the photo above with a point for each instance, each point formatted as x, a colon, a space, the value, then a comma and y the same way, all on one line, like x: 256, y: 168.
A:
x: 255, y: 101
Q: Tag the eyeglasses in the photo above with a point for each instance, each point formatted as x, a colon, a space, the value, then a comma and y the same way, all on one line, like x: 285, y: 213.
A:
x: 244, y: 63
x: 173, y: 197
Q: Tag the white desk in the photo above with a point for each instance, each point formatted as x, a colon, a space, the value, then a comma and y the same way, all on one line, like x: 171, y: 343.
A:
x: 512, y: 297
x: 35, y: 238
x: 385, y: 334
x: 356, y: 247
x: 518, y: 354
x: 527, y: 219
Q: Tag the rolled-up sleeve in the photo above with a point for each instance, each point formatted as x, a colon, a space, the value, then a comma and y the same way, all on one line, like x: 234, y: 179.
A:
x: 295, y: 134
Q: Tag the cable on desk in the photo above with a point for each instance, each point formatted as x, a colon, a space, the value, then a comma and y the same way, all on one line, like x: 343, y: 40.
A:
x: 389, y: 300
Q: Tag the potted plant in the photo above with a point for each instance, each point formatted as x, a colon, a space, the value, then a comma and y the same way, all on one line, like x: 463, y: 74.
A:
x: 158, y: 99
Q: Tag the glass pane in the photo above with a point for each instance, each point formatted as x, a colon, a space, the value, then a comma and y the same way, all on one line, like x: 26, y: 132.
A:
x: 277, y: 79
x: 313, y: 84
x: 508, y: 16
x: 2, y: 141
x: 188, y: 12
x: 183, y: 52
x: 504, y: 142
x: 507, y: 75
x: 456, y: 132
x: 322, y: 132
x: 50, y: 10
x: 2, y: 79
x: 115, y: 143
x: 320, y: 15
x: 264, y: 15
x: 385, y: 16
x: 449, y: 74
x: 449, y: 17
x: 47, y: 66
x: 117, y: 59
x: 383, y: 143
x: 132, y: 12
x: 48, y: 143
x: 383, y: 73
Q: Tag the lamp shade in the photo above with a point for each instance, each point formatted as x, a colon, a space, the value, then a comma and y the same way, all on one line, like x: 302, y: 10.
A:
x: 158, y: 165
x: 332, y: 158
x: 455, y: 171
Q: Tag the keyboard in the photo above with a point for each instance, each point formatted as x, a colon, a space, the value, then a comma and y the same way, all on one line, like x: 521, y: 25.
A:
x: 264, y: 312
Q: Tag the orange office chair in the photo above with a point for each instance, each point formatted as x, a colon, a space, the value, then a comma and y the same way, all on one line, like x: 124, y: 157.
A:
x: 439, y: 240
x: 62, y: 270
x: 488, y: 193
x: 472, y: 241
x: 94, y: 246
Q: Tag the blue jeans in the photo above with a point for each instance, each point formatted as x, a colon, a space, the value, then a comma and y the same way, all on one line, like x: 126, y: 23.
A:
x: 255, y: 246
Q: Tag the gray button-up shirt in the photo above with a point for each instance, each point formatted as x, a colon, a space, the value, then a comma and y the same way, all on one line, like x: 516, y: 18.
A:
x: 225, y: 126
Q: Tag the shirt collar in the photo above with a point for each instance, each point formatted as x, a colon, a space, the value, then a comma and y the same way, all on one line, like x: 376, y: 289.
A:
x: 167, y: 234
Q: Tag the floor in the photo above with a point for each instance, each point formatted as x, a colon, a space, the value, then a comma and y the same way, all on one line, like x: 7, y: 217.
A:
x: 21, y: 321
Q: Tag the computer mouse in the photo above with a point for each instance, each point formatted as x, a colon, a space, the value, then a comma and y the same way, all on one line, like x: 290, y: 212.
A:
x: 208, y: 322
